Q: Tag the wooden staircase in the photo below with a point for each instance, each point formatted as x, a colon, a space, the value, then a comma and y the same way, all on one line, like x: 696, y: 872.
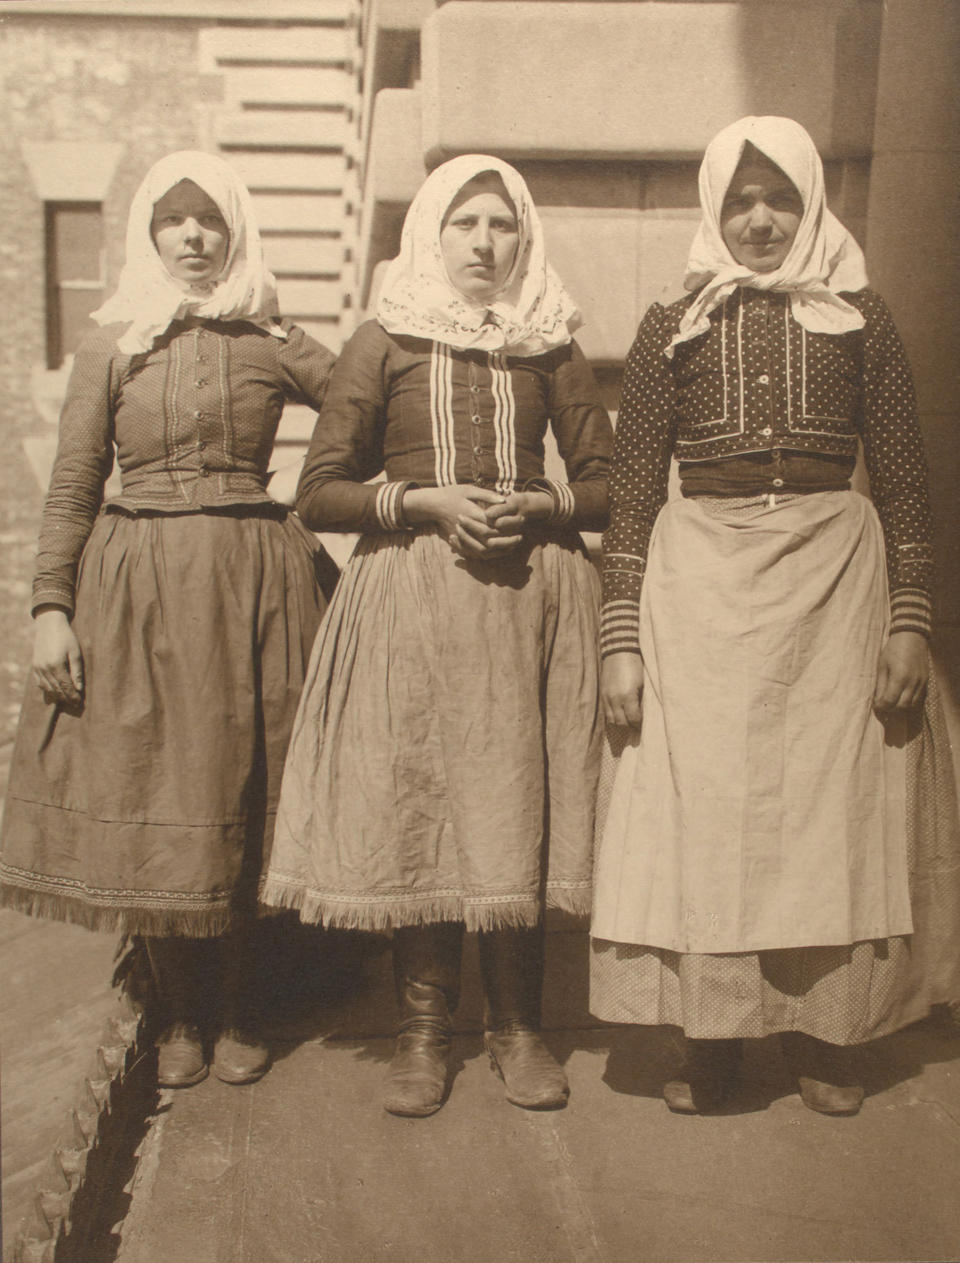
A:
x: 287, y: 121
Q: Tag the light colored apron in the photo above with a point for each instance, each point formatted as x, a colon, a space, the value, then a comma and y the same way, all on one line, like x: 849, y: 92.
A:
x: 763, y: 805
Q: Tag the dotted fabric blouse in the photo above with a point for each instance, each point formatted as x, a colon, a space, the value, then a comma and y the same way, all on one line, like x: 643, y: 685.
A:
x: 192, y: 424
x: 756, y: 406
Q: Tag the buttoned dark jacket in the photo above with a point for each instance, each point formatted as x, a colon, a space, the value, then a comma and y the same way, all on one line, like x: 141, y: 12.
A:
x: 192, y: 423
x: 426, y: 413
x: 759, y: 405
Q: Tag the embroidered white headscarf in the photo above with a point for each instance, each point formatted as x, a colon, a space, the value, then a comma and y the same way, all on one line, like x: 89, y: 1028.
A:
x: 150, y: 298
x: 532, y: 312
x: 824, y: 260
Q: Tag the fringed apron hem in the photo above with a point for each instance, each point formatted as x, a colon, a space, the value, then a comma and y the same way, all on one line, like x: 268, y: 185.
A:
x: 121, y: 913
x: 389, y: 910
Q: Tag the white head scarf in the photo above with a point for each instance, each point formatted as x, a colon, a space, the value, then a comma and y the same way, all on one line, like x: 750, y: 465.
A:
x: 150, y: 298
x: 824, y: 260
x: 532, y: 312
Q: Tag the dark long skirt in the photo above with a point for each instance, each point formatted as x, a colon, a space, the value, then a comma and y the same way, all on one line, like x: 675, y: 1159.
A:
x: 149, y: 809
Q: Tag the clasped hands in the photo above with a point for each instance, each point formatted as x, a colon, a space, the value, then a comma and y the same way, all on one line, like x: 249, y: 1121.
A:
x: 478, y: 524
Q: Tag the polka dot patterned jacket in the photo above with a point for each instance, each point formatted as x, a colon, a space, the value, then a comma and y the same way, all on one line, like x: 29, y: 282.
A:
x: 757, y: 406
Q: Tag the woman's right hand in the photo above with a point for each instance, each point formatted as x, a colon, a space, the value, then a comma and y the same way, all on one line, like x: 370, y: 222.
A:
x: 458, y: 510
x: 621, y: 688
x: 57, y: 659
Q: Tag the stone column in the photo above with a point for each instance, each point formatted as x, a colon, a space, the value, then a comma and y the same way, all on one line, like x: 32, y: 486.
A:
x: 913, y: 253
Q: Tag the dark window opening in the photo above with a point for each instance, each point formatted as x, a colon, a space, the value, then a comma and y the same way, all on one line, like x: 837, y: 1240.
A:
x: 74, y: 253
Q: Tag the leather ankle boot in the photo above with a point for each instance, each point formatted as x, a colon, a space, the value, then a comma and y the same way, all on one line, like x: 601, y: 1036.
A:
x: 179, y: 968
x: 240, y: 1055
x: 181, y: 1061
x: 417, y: 1081
x: 825, y: 1077
x: 708, y: 1076
x: 511, y: 963
x: 427, y: 970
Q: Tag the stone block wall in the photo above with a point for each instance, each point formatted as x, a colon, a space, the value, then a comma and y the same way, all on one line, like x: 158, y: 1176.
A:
x: 334, y: 111
x: 605, y: 107
x: 82, y: 81
x: 275, y: 92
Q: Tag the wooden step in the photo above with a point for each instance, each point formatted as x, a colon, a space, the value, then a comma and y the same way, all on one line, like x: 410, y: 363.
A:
x: 304, y: 256
x: 284, y: 129
x: 286, y: 86
x: 322, y: 45
x: 319, y: 173
x: 310, y: 298
x: 298, y: 212
x: 249, y: 12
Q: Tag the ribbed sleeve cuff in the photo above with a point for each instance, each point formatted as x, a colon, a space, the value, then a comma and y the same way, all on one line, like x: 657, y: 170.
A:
x: 53, y: 594
x: 564, y: 504
x: 911, y: 610
x: 620, y: 628
x: 389, y: 506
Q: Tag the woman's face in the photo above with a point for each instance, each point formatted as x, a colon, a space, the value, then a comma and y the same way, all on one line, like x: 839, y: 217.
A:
x: 761, y: 213
x: 190, y: 234
x: 479, y: 238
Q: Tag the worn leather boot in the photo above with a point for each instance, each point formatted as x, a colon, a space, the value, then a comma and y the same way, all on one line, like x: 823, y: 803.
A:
x: 426, y: 961
x: 708, y: 1076
x: 826, y: 1079
x: 179, y: 968
x: 511, y: 963
x: 181, y: 1060
x: 240, y: 1054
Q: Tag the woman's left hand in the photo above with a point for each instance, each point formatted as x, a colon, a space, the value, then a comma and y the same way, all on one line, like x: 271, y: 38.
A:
x: 902, y: 672
x: 520, y: 510
x: 282, y: 483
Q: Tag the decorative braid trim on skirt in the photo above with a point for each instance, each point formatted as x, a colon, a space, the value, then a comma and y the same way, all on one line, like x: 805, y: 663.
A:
x: 388, y: 910
x: 444, y: 757
x: 123, y: 912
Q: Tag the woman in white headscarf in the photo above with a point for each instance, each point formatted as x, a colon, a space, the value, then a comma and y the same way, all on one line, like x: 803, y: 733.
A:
x: 443, y: 764
x: 173, y: 622
x: 780, y: 847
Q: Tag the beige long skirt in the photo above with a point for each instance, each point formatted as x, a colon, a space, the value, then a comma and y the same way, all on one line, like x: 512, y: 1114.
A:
x: 444, y: 759
x: 773, y: 857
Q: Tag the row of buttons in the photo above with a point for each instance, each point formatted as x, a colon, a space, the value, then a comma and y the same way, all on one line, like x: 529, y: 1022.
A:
x: 475, y: 417
x: 200, y: 415
x: 764, y: 380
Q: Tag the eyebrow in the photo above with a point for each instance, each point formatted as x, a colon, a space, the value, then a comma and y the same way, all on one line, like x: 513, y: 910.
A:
x: 500, y: 216
x: 179, y: 210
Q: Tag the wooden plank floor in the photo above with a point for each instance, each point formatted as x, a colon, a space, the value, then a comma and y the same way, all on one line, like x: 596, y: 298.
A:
x: 55, y: 1005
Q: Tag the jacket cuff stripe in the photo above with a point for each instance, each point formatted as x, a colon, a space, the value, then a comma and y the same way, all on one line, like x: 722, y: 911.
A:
x: 620, y: 627
x: 388, y: 506
x: 911, y: 610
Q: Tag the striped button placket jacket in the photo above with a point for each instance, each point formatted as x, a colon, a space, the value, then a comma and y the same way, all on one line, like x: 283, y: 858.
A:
x: 427, y: 414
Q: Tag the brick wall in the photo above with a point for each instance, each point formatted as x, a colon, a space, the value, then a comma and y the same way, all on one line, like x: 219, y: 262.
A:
x: 80, y: 80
